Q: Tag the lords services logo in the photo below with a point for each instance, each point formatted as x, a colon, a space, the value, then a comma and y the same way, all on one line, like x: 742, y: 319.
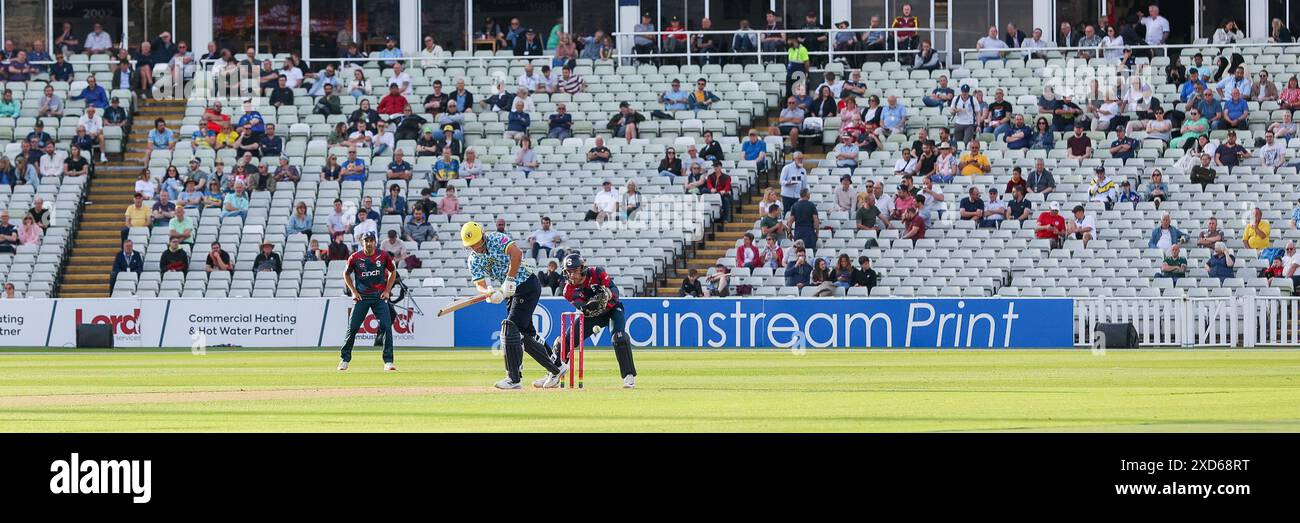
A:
x: 123, y: 325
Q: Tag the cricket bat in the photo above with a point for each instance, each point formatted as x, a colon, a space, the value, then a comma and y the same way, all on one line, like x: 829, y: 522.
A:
x: 461, y: 304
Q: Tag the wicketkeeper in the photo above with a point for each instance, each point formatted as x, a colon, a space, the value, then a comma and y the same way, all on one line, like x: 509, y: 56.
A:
x: 370, y: 275
x: 592, y: 292
x: 494, y: 257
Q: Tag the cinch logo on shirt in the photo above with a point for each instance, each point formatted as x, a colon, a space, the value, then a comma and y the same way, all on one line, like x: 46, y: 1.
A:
x: 367, y: 274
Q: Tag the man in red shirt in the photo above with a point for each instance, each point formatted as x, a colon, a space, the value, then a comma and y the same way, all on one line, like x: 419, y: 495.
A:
x: 393, y: 102
x: 213, y: 119
x: 1051, y: 225
x: 915, y: 225
x: 720, y: 184
x: 907, y: 40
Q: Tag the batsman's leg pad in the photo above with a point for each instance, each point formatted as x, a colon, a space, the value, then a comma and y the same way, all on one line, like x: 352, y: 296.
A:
x: 623, y: 352
x: 512, y: 343
x: 536, y: 348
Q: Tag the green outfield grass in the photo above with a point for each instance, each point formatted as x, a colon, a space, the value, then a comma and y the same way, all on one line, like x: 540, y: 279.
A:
x: 680, y: 390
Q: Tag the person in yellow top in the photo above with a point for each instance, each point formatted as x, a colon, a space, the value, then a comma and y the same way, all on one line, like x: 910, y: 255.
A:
x: 796, y: 63
x: 973, y: 162
x: 226, y: 138
x: 1257, y: 232
x: 137, y: 215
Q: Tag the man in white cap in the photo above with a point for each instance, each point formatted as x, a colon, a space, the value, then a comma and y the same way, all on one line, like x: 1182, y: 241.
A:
x: 1051, y: 225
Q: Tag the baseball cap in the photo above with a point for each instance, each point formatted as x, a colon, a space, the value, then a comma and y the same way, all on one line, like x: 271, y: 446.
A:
x: 622, y: 105
x: 846, y: 178
x: 368, y: 235
x: 448, y: 128
x: 965, y: 88
x: 428, y: 128
x: 1056, y: 206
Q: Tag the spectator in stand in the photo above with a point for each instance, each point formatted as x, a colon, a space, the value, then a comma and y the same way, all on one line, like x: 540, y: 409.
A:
x: 690, y: 285
x: 160, y: 137
x: 393, y: 102
x: 1019, y: 208
x: 9, y: 107
x: 449, y: 205
x: 845, y: 195
x: 9, y: 240
x: 747, y: 254
x: 907, y: 38
x: 1263, y: 90
x: 940, y: 96
x: 547, y: 239
x: 868, y: 216
x: 972, y: 206
x: 719, y: 183
x: 670, y: 165
x: 29, y: 233
x: 1103, y: 188
x: 1051, y: 225
x: 1129, y: 196
x: 551, y: 278
x: 530, y: 45
x: 394, y: 204
x: 1222, y: 263
x: 1257, y: 232
x: 1174, y: 265
x: 1165, y: 234
x: 1001, y: 115
x: 793, y: 181
x: 354, y: 168
x: 770, y: 224
x: 1019, y: 135
x: 798, y: 273
x: 1194, y: 127
x: 789, y: 122
x: 675, y: 99
x: 991, y: 46
x: 719, y: 283
x: 127, y: 260
x: 1157, y: 189
x: 267, y: 259
x: 525, y: 158
x: 162, y: 210
x: 804, y: 221
x: 599, y: 153
x: 417, y: 228
x: 174, y: 259
x: 893, y: 117
x: 772, y: 255
x: 51, y: 104
x: 624, y: 123
x: 137, y: 215
x: 973, y: 162
x: 1083, y: 227
x: 1191, y: 89
x: 1236, y: 112
x: 1230, y: 153
x: 1211, y: 234
x: 560, y: 125
x: 914, y: 225
x: 1123, y: 147
x: 755, y: 150
x: 235, y: 204
x: 1289, y: 98
x: 926, y: 58
x: 1284, y: 130
x: 300, y: 222
x: 864, y: 275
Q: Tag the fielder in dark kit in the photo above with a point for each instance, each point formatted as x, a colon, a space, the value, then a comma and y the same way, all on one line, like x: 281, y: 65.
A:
x: 369, y: 276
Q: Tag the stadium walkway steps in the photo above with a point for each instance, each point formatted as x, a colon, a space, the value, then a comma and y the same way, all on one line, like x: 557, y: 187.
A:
x: 98, y: 235
x: 707, y: 252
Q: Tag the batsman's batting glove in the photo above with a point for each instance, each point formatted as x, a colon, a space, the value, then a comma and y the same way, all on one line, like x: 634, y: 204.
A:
x: 496, y: 297
x: 508, y: 288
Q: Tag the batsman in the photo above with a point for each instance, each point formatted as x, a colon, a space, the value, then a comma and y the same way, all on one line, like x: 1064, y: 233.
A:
x: 593, y: 292
x: 494, y: 257
x: 370, y: 275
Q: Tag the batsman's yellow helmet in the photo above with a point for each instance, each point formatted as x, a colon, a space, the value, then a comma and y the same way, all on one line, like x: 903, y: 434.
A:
x: 471, y: 233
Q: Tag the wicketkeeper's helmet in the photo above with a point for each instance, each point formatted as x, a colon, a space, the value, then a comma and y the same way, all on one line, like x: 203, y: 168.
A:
x: 573, y: 265
x: 471, y: 233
